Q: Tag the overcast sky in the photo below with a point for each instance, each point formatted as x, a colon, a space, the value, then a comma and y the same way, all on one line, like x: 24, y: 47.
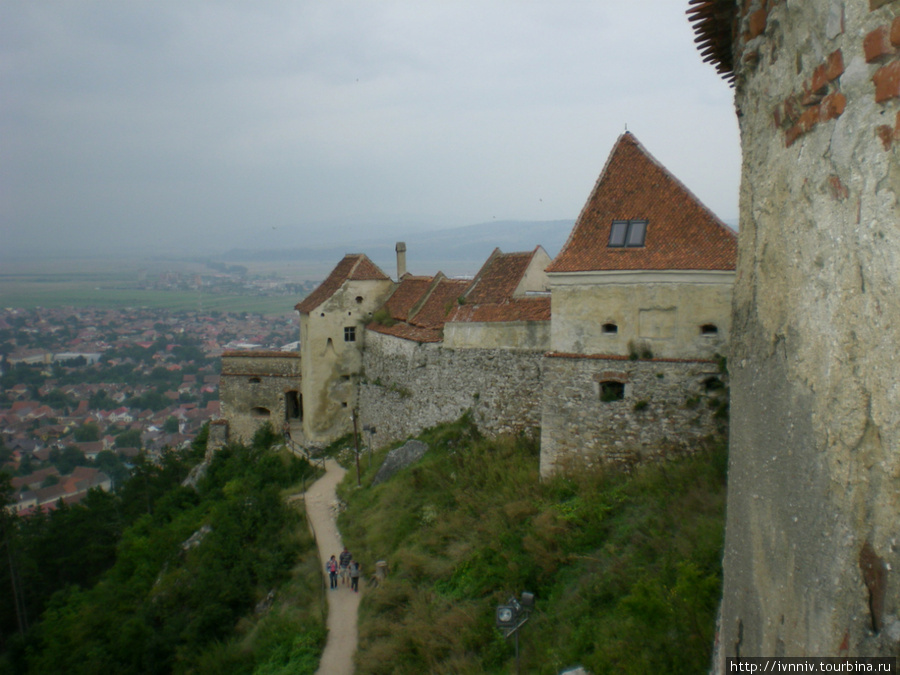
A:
x: 176, y: 123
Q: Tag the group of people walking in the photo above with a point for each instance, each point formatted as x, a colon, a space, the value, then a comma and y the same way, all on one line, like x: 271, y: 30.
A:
x: 344, y: 567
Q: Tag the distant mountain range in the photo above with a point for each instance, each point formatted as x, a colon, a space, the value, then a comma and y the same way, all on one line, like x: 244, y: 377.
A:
x: 455, y: 251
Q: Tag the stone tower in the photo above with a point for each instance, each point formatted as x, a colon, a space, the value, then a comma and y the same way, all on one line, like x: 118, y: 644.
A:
x: 812, y: 550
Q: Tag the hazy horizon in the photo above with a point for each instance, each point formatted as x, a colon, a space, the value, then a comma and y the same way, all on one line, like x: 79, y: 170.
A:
x: 163, y: 126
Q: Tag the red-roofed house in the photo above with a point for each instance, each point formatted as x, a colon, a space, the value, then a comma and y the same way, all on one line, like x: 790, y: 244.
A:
x: 646, y: 268
x: 507, y: 305
x: 641, y: 306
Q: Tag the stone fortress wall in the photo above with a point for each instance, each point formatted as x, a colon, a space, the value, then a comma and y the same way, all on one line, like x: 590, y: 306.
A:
x: 407, y: 387
x: 621, y: 410
x: 255, y: 388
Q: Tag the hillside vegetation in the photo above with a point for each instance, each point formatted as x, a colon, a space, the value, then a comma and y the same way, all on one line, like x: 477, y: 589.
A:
x: 161, y: 578
x: 625, y: 566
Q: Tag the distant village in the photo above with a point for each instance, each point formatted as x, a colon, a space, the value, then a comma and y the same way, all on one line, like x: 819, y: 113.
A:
x: 86, y: 391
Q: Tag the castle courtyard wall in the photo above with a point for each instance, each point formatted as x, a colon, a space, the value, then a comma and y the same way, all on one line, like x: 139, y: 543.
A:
x: 812, y: 547
x: 666, y: 406
x: 407, y: 387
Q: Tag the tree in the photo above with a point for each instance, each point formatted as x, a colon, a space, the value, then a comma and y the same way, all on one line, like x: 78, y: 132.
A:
x: 129, y: 439
x: 87, y: 433
x: 67, y: 459
x: 170, y: 426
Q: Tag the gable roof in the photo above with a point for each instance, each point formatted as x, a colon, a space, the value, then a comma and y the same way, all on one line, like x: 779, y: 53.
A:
x: 420, y: 306
x: 493, y: 294
x: 682, y: 234
x: 353, y: 267
x: 499, y: 277
x: 409, y: 291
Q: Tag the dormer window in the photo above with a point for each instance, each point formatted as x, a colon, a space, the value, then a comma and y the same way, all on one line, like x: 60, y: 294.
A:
x: 627, y: 233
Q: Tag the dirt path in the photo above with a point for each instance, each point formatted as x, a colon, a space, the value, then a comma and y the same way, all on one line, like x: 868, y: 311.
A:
x: 343, y: 604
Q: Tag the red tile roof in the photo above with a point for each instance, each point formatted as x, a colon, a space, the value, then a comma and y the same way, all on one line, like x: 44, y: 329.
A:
x: 519, y: 309
x: 353, y: 267
x: 491, y: 296
x: 682, y: 234
x: 410, y: 290
x: 498, y: 278
x: 443, y: 298
x: 421, y: 308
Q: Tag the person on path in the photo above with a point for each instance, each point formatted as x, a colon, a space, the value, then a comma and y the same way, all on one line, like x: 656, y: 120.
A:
x: 344, y: 562
x: 354, y: 576
x: 332, y: 567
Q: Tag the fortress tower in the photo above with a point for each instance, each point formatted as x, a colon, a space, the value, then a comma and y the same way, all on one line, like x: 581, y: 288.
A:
x: 812, y: 547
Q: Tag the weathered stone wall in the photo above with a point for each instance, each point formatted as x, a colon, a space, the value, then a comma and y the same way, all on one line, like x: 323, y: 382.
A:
x: 666, y: 406
x: 258, y: 387
x: 408, y: 387
x: 812, y: 544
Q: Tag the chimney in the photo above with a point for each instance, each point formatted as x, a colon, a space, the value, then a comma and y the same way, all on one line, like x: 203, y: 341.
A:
x: 401, y: 259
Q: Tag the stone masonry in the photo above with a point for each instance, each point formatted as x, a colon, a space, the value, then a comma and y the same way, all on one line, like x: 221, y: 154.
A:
x: 665, y: 406
x: 407, y: 387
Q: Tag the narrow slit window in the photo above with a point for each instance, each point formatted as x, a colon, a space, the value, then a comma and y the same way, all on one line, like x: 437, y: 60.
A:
x: 627, y: 233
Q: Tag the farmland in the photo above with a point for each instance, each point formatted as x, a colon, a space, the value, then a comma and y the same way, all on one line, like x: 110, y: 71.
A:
x: 171, y: 285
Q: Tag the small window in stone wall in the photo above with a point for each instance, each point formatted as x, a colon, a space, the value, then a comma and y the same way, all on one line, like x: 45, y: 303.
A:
x: 350, y: 334
x: 255, y: 380
x: 259, y: 411
x: 609, y: 329
x: 713, y: 384
x: 709, y: 329
x: 359, y: 299
x: 610, y: 391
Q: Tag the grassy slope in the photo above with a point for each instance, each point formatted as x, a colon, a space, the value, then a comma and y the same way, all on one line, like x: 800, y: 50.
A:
x: 626, y: 568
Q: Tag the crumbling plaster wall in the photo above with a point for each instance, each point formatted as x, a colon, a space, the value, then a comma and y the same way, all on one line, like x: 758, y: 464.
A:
x: 663, y: 311
x: 516, y: 335
x: 812, y: 537
x: 407, y: 387
x: 331, y: 364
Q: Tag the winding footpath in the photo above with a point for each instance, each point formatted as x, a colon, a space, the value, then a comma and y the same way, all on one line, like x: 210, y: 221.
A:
x: 343, y: 604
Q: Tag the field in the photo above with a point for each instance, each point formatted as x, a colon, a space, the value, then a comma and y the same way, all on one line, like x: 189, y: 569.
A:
x: 114, y: 284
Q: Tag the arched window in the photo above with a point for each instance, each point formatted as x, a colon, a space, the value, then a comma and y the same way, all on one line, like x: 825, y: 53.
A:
x: 610, y: 390
x: 255, y: 380
x: 609, y: 329
x: 259, y: 411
